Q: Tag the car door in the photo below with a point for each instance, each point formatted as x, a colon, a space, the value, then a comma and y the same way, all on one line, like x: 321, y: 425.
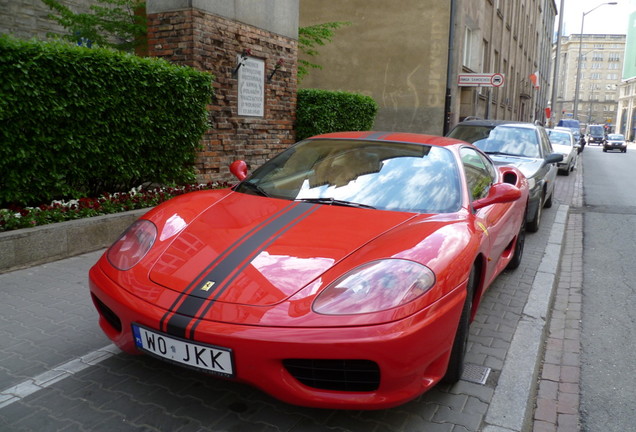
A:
x: 492, y: 220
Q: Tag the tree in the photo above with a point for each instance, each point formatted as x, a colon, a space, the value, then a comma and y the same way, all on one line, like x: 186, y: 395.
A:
x: 118, y: 24
x: 310, y: 38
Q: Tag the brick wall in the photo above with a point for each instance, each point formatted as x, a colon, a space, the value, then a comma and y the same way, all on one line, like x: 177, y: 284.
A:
x: 209, y: 42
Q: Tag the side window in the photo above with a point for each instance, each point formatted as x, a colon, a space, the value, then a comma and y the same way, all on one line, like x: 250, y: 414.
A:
x: 545, y: 142
x: 480, y: 174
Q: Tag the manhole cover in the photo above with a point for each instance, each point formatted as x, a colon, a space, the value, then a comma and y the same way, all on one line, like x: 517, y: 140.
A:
x: 475, y: 373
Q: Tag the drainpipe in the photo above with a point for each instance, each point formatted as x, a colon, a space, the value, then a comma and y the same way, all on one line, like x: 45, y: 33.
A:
x: 451, y: 74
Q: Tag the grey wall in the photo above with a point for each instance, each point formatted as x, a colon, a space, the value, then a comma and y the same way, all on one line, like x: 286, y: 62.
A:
x: 276, y: 16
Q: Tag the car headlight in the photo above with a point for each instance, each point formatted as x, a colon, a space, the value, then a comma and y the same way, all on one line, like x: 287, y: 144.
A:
x: 375, y: 286
x: 532, y: 182
x: 133, y: 245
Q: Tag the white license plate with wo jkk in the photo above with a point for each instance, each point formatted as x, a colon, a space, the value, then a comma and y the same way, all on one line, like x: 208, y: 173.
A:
x: 208, y: 358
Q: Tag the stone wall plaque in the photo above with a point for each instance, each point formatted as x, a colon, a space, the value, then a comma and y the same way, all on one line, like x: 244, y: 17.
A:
x: 251, y: 87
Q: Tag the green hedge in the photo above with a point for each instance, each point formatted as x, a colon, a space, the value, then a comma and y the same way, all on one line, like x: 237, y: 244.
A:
x: 321, y: 111
x: 77, y: 122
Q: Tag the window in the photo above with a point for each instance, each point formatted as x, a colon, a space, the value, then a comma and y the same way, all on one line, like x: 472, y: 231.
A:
x: 480, y: 173
x: 468, y: 41
x: 595, y: 76
x: 597, y: 57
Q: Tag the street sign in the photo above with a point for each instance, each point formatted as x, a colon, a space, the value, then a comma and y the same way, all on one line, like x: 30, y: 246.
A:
x: 481, y: 80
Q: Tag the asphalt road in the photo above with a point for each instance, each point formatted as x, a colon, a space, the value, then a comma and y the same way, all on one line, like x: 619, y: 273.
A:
x: 608, y: 381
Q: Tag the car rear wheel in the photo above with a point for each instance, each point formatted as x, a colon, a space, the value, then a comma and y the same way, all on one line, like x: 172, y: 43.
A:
x: 458, y: 352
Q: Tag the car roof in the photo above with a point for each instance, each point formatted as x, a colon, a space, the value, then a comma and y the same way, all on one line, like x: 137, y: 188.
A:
x: 403, y: 137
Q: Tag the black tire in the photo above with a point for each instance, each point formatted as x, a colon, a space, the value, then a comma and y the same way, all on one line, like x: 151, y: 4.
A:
x: 533, y: 225
x: 519, y: 245
x: 458, y: 352
x: 548, y: 202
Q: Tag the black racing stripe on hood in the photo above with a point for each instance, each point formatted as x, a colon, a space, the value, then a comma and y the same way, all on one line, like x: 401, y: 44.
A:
x: 226, y: 283
x: 196, y: 281
x: 232, y: 264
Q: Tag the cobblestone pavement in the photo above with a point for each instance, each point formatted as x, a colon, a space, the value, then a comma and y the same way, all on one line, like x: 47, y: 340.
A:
x: 58, y: 372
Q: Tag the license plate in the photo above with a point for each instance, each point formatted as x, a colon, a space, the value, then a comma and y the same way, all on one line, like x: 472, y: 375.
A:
x: 208, y: 358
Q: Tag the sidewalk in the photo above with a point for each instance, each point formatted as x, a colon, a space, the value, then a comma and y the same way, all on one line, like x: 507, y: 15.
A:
x: 557, y: 403
x: 59, y: 372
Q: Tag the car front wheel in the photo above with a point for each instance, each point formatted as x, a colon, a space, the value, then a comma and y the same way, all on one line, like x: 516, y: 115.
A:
x: 533, y: 224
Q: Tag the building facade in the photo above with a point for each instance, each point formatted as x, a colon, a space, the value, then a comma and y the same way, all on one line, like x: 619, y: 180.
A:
x: 626, y: 111
x: 602, y: 59
x: 28, y: 19
x: 410, y: 58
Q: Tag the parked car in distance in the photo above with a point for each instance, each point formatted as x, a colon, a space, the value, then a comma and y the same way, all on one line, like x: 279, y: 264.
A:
x: 520, y: 144
x: 563, y: 142
x: 343, y: 273
x: 615, y: 142
x: 573, y: 126
x: 595, y: 134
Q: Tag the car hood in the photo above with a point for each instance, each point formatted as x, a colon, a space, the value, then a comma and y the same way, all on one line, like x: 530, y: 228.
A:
x: 528, y: 166
x: 259, y: 251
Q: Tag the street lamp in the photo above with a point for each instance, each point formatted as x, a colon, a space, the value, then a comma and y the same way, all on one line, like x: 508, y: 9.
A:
x: 578, y: 66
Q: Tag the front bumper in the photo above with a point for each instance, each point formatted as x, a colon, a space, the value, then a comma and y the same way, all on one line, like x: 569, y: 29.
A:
x: 615, y: 146
x: 411, y: 354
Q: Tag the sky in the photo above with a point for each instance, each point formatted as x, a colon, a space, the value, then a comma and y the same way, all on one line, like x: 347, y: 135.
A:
x: 607, y: 19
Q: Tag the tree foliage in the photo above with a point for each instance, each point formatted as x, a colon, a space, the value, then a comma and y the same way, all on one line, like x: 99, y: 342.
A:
x: 312, y: 37
x: 111, y: 23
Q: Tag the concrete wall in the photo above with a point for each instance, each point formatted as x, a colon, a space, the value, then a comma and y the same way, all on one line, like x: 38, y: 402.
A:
x: 46, y: 243
x: 277, y: 16
x: 395, y: 53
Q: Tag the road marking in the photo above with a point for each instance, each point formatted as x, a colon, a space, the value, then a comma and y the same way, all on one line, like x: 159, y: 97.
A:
x: 58, y: 373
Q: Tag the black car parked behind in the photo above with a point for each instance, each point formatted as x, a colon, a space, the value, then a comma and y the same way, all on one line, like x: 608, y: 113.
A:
x: 524, y: 145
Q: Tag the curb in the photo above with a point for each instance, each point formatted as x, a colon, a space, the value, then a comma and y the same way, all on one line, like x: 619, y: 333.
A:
x: 32, y: 246
x: 512, y: 404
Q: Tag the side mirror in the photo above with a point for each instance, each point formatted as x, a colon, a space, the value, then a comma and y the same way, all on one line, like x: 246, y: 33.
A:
x: 499, y: 193
x: 554, y: 158
x: 239, y: 169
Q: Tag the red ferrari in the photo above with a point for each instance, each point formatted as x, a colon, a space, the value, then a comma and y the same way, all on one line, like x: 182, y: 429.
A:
x: 343, y: 273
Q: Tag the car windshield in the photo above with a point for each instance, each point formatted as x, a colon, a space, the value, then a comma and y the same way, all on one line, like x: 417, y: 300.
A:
x: 616, y: 137
x: 560, y: 138
x: 504, y: 139
x: 380, y: 175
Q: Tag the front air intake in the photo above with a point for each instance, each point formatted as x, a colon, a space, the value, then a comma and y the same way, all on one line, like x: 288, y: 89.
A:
x: 342, y: 375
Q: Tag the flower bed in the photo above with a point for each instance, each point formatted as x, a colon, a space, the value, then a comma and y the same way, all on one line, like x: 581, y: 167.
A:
x: 14, y: 217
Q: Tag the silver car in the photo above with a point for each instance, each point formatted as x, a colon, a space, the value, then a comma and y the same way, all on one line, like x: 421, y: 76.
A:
x: 563, y: 142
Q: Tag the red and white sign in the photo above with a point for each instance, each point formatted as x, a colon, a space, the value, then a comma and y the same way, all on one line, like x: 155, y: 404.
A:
x: 481, y: 80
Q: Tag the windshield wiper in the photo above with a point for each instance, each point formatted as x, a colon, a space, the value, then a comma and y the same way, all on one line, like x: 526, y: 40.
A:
x: 254, y: 187
x: 333, y: 201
